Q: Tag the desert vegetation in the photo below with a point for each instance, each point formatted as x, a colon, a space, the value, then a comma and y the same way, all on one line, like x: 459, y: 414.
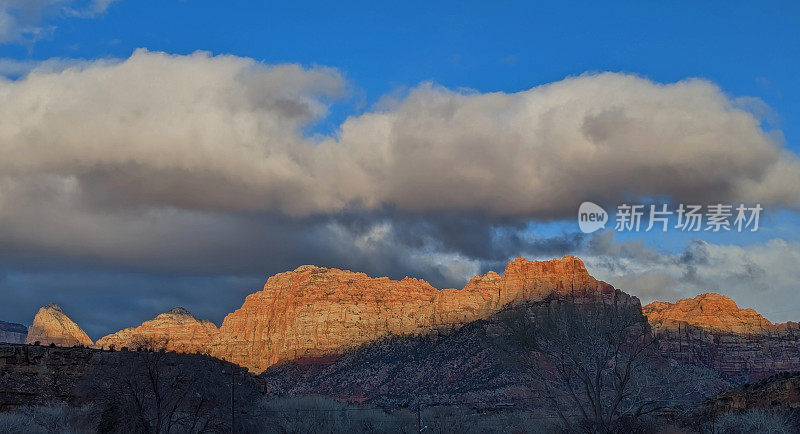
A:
x: 596, y: 366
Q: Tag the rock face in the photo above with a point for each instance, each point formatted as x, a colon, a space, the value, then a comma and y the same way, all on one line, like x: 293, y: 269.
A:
x: 52, y: 326
x: 472, y: 365
x: 38, y: 375
x: 12, y: 333
x: 711, y: 330
x: 779, y: 392
x: 314, y: 311
x: 708, y: 311
x: 35, y: 375
x: 176, y: 330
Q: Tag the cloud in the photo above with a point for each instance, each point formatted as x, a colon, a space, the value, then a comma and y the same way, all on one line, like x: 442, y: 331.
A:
x: 199, y: 167
x: 538, y: 153
x: 760, y: 276
x: 15, y: 68
x: 22, y: 20
x: 225, y: 134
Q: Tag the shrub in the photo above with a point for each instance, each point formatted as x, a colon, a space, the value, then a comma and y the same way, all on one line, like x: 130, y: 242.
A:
x: 752, y: 421
x: 317, y: 414
x: 51, y: 418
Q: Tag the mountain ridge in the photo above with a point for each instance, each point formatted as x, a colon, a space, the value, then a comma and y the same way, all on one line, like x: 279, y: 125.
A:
x: 313, y: 312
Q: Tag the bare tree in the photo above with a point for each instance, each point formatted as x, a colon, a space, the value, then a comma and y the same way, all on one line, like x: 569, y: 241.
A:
x: 594, y: 364
x: 152, y: 391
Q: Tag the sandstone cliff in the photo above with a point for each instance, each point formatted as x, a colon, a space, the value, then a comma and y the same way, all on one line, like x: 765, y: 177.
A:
x: 52, y: 326
x: 708, y: 311
x: 711, y: 330
x: 12, y: 333
x: 314, y: 311
x: 176, y: 330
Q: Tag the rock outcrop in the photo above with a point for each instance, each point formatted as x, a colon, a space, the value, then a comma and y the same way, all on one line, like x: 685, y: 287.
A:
x: 36, y: 375
x: 12, y: 333
x: 711, y: 330
x: 176, y: 330
x: 315, y: 311
x: 40, y: 375
x: 52, y: 326
x: 708, y: 311
x: 779, y: 392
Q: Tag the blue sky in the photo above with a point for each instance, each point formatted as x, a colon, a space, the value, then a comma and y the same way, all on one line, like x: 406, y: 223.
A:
x: 384, y: 51
x: 747, y: 48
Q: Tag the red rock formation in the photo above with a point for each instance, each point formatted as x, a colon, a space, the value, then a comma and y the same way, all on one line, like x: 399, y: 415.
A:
x: 710, y: 329
x: 709, y: 311
x: 314, y: 311
x: 176, y: 330
x: 52, y: 326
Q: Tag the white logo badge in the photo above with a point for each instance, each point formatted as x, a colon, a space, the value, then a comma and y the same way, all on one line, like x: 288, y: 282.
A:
x: 591, y: 217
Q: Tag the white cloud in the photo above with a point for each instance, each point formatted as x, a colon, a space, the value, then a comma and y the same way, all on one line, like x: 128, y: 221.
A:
x: 224, y: 133
x: 111, y: 156
x: 541, y: 152
x: 761, y: 276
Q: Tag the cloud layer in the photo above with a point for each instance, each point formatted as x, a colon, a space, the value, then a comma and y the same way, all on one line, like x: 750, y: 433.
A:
x: 200, y: 166
x: 225, y: 134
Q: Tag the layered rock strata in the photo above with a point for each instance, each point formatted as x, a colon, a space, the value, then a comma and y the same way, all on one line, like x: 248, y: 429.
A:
x: 712, y: 330
x: 314, y: 311
x: 176, y: 330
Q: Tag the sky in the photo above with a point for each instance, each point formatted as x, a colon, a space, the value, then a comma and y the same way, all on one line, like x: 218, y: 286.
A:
x: 177, y: 153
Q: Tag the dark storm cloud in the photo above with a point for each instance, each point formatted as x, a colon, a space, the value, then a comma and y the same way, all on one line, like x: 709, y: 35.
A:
x: 102, y: 302
x: 209, y: 265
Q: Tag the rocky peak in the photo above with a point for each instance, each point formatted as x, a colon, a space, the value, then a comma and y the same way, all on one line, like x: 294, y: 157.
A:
x: 179, y: 311
x: 175, y: 330
x: 54, y: 307
x: 52, y: 326
x: 711, y: 311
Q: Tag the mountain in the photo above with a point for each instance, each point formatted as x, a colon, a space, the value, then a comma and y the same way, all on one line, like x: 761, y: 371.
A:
x: 52, y: 326
x: 313, y: 311
x: 12, y: 333
x: 713, y: 331
x: 177, y: 330
x: 708, y: 311
x: 461, y: 366
x: 475, y: 365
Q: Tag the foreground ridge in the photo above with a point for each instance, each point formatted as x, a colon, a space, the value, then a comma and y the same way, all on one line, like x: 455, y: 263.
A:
x: 317, y: 312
